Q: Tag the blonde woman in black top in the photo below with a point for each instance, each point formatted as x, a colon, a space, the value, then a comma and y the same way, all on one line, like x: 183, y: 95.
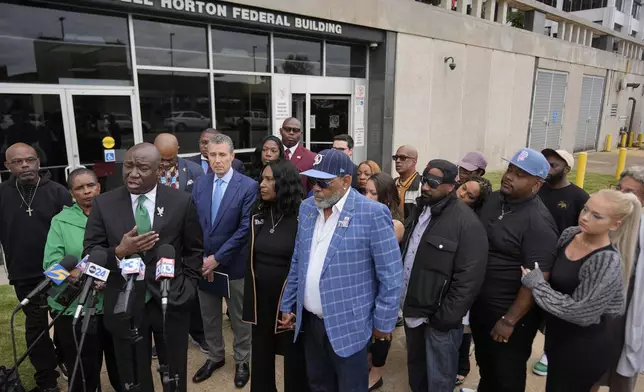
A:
x: 273, y: 231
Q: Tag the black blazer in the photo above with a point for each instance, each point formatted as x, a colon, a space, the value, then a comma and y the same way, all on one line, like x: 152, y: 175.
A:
x: 177, y: 224
x: 237, y: 165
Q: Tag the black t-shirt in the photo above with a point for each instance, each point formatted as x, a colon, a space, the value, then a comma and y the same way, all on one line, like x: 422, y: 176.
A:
x: 526, y: 234
x: 564, y: 204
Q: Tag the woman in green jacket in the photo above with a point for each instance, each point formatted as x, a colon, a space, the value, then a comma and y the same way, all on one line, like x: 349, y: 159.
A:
x: 66, y: 238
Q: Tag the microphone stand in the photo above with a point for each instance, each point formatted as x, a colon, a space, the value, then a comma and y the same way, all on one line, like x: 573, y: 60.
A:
x: 170, y: 382
x: 17, y: 362
x: 134, y: 386
x: 89, y: 313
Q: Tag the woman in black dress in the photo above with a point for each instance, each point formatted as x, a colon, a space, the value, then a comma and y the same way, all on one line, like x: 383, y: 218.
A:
x: 273, y: 230
x: 587, y: 289
x: 269, y: 150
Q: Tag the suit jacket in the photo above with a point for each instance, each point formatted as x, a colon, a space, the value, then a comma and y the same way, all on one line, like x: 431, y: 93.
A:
x: 303, y: 160
x: 177, y: 225
x: 237, y: 165
x: 188, y: 174
x: 361, y: 278
x: 227, y: 237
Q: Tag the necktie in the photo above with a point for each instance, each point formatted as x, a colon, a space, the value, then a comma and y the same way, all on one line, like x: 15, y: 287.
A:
x: 287, y: 154
x: 204, y: 166
x: 141, y: 216
x: 216, y: 199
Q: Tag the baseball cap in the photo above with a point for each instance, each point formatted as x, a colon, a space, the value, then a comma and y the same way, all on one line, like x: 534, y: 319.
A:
x: 531, y: 161
x: 450, y: 170
x: 563, y: 154
x: 330, y: 164
x: 473, y: 160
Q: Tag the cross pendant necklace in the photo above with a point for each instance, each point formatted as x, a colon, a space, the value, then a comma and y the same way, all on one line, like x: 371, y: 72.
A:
x: 31, y: 200
x: 503, y: 212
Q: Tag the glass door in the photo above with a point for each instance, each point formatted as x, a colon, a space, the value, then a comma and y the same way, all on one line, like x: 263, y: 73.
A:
x: 95, y: 115
x: 328, y: 118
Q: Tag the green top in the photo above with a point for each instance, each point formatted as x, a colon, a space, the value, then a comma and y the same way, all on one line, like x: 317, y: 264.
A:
x: 65, y: 237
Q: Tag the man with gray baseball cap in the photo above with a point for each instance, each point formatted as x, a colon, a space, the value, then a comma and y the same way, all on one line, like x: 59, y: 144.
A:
x: 520, y: 232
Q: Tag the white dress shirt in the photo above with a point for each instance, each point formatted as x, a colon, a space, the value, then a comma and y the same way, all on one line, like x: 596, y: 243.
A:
x: 149, y: 203
x: 322, y: 235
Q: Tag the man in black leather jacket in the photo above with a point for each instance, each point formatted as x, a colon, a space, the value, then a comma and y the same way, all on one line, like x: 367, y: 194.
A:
x: 445, y: 255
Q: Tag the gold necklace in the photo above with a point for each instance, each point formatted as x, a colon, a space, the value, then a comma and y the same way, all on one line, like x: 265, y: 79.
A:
x: 272, y: 230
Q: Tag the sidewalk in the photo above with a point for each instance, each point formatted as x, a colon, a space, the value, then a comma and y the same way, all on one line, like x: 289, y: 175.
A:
x: 606, y: 162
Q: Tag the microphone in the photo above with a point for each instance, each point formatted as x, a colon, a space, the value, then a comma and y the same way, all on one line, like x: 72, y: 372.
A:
x: 131, y: 269
x: 56, y: 274
x: 165, y: 272
x: 95, y: 269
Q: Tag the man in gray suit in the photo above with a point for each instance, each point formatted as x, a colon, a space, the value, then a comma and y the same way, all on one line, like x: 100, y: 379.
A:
x: 176, y: 172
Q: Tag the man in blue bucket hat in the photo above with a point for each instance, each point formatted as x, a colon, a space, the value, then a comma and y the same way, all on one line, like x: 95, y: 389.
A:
x: 521, y: 232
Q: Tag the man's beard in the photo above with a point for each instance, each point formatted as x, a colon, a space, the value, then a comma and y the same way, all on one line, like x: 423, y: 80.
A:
x: 330, y: 201
x: 426, y: 200
x: 555, y: 178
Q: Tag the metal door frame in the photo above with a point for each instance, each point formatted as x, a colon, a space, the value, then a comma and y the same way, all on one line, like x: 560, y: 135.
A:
x: 563, y: 107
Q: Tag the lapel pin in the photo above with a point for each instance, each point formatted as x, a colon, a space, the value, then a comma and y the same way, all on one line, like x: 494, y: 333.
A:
x: 184, y: 169
x: 298, y: 157
x: 344, y: 222
x: 160, y: 211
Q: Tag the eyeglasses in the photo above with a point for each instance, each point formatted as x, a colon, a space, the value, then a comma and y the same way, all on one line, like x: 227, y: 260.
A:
x: 402, y: 158
x: 17, y: 162
x: 431, y: 180
x: 323, y: 184
x: 291, y: 130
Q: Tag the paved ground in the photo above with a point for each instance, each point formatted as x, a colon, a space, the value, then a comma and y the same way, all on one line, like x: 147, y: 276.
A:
x: 606, y: 162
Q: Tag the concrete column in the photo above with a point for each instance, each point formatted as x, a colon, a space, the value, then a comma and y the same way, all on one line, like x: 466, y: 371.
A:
x: 490, y: 7
x: 575, y: 34
x: 502, y: 14
x: 589, y: 38
x: 621, y: 47
x: 534, y: 21
x: 461, y: 6
x: 560, y: 4
x: 561, y: 30
x: 582, y: 38
x: 477, y: 7
x: 569, y: 30
x: 446, y: 4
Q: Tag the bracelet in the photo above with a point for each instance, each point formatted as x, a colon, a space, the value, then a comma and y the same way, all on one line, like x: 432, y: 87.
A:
x: 506, y: 322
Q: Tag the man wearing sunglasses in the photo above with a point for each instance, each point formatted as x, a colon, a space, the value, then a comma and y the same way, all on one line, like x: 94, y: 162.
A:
x: 408, y: 182
x: 445, y: 255
x: 291, y: 132
x: 344, y: 284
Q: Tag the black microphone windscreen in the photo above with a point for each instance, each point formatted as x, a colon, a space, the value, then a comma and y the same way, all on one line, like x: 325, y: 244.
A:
x: 68, y: 262
x: 98, y: 256
x: 166, y: 251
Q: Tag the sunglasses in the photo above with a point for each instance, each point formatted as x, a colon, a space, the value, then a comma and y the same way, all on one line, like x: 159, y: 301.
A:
x: 291, y: 130
x: 401, y: 158
x: 323, y: 184
x: 431, y: 180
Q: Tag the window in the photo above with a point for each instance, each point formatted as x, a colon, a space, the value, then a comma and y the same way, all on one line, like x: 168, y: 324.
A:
x: 242, y: 103
x: 580, y: 5
x: 348, y: 61
x: 175, y: 102
x: 635, y: 11
x: 297, y: 56
x: 39, y: 45
x: 170, y: 45
x: 239, y: 51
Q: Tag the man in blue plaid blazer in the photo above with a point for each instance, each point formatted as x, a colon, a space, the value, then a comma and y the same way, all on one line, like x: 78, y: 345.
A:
x: 345, y: 278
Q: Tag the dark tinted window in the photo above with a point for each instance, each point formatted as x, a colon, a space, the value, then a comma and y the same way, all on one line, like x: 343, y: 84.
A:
x: 39, y: 45
x: 240, y: 51
x: 170, y: 45
x: 175, y: 102
x: 346, y: 60
x: 296, y: 56
x: 236, y: 98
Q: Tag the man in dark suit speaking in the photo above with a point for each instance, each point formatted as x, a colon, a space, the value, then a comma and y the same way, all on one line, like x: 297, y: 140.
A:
x: 136, y: 219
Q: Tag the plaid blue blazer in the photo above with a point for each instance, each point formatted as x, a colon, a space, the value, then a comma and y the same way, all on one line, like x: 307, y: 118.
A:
x: 361, y: 277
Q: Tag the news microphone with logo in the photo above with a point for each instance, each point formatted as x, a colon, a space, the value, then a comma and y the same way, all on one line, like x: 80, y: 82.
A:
x: 165, y: 272
x: 95, y: 269
x: 56, y: 274
x: 131, y: 270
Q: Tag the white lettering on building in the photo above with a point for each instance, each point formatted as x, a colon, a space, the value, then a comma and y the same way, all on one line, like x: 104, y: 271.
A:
x: 190, y: 6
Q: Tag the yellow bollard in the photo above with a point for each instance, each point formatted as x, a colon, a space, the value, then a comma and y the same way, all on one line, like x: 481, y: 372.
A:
x: 630, y: 139
x: 640, y: 139
x: 622, y: 140
x: 582, y: 159
x: 609, y: 143
x: 621, y: 162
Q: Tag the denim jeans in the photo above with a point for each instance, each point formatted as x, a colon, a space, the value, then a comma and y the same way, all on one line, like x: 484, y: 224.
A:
x: 432, y: 358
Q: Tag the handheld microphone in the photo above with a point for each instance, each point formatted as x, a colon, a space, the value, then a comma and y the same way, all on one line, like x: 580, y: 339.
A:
x: 95, y: 269
x: 165, y: 272
x: 131, y: 269
x: 56, y: 274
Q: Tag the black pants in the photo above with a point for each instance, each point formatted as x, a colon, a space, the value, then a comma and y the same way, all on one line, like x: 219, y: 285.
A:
x: 196, y: 323
x: 98, y: 342
x: 174, y: 353
x: 43, y: 355
x: 266, y: 344
x: 464, y: 355
x: 502, y: 365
